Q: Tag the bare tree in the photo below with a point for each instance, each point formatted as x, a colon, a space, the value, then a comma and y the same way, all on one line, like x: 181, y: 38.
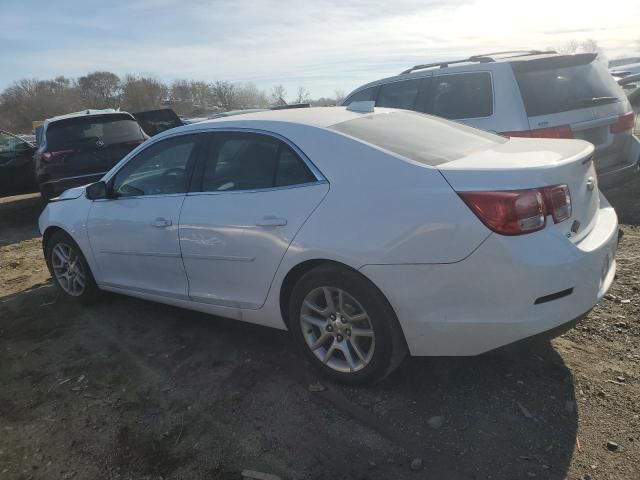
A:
x: 142, y: 93
x: 303, y: 95
x: 100, y: 89
x: 339, y: 96
x: 278, y: 95
x: 588, y: 45
x: 225, y: 94
x: 250, y: 96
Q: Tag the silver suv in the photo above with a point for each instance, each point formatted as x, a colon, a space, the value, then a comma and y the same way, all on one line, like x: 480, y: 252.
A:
x: 524, y: 94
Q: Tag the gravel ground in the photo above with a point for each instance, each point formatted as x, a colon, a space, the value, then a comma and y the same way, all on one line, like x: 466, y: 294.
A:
x: 129, y: 389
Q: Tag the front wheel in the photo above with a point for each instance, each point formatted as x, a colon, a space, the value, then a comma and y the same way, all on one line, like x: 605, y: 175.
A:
x: 69, y: 268
x: 345, y: 326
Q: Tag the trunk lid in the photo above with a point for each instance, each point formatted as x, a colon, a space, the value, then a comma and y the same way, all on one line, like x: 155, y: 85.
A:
x: 523, y: 164
x: 156, y: 121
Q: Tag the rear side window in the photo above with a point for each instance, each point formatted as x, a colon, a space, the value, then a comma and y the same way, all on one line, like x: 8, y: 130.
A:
x: 462, y: 95
x: 103, y: 130
x: 247, y: 161
x: 399, y: 94
x: 368, y: 94
x: 422, y: 138
x: 560, y: 84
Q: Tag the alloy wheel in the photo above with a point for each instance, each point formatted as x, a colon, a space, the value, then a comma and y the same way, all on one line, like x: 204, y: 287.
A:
x: 68, y: 269
x: 337, y: 329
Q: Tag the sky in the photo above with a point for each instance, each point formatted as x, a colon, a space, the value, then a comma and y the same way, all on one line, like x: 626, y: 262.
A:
x: 323, y: 45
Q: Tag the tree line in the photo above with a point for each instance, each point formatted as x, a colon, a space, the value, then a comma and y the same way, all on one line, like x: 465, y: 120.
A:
x: 31, y: 99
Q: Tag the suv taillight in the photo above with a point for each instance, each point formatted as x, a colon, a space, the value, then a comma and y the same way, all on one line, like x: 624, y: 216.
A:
x: 563, y: 131
x: 48, y: 156
x: 625, y: 122
x: 517, y: 212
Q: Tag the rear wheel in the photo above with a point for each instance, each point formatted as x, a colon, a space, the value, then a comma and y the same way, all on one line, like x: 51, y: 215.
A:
x: 69, y: 269
x: 345, y: 326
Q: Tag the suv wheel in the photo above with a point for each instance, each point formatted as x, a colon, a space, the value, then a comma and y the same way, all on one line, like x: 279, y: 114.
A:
x: 345, y: 326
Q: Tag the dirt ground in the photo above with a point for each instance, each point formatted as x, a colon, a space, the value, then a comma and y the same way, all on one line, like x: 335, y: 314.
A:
x: 129, y: 389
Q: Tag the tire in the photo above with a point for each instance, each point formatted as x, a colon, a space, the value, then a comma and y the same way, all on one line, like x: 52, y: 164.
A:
x: 323, y: 333
x: 79, y: 285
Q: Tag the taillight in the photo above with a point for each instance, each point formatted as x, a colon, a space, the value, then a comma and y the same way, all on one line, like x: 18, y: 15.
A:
x: 558, y: 202
x: 563, y: 131
x: 48, y: 156
x: 517, y: 212
x: 625, y: 122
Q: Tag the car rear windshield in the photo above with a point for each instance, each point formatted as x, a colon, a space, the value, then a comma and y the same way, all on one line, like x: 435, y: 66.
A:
x: 86, y: 131
x: 559, y: 84
x: 419, y: 137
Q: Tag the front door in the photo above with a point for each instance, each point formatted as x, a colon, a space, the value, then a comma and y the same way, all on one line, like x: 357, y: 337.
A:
x: 256, y: 191
x: 134, y: 233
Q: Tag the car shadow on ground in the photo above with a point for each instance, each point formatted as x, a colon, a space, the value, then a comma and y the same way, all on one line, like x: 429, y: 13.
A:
x: 19, y: 218
x: 146, y: 389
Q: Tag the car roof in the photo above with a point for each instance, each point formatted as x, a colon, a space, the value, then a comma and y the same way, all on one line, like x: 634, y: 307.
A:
x: 475, y: 62
x: 322, y: 117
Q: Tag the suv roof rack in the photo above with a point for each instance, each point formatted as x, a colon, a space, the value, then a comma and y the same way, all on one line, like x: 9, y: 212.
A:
x: 483, y: 58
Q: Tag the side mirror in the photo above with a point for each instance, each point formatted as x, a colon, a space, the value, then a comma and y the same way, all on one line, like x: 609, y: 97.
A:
x: 97, y: 191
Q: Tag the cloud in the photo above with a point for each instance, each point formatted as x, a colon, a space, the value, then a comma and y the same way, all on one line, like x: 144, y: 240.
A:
x: 324, y: 45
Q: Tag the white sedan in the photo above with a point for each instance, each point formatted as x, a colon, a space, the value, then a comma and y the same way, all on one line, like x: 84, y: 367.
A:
x: 366, y: 234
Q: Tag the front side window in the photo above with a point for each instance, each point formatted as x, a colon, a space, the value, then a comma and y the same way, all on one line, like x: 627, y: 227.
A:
x: 12, y: 144
x: 399, y: 94
x: 248, y: 161
x: 163, y: 168
x: 462, y: 95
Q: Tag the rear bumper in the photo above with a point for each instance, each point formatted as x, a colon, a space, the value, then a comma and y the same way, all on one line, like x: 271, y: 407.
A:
x: 489, y: 299
x: 59, y: 185
x: 618, y: 177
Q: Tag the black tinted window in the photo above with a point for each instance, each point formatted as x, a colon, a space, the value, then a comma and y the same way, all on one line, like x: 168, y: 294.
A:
x: 161, y: 169
x: 561, y: 84
x: 365, y: 95
x: 422, y: 138
x: 399, y: 94
x: 463, y: 95
x: 245, y: 161
x: 104, y: 129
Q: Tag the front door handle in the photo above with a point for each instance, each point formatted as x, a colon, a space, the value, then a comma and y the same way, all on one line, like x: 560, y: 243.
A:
x: 162, y: 222
x: 270, y: 221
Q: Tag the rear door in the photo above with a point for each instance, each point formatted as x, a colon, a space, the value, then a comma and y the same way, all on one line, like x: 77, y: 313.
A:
x: 156, y: 121
x: 255, y: 193
x: 16, y: 167
x: 576, y: 91
x: 89, y: 144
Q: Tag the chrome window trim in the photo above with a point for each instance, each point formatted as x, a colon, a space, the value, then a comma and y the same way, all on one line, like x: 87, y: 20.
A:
x: 320, y: 178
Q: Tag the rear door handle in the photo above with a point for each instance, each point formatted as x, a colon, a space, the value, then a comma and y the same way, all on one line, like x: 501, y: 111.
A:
x: 270, y: 221
x: 162, y: 222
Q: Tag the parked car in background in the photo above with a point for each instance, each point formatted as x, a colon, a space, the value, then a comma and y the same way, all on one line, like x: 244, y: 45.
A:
x: 307, y: 220
x: 625, y: 70
x: 157, y: 121
x: 79, y: 148
x: 16, y: 166
x: 523, y: 94
x: 631, y: 87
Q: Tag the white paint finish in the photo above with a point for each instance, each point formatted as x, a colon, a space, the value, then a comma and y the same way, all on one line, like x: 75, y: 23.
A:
x: 230, y: 250
x: 456, y: 288
x: 487, y: 300
x: 131, y: 251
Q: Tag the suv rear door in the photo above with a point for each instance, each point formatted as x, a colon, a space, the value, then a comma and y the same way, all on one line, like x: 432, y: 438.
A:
x: 576, y: 91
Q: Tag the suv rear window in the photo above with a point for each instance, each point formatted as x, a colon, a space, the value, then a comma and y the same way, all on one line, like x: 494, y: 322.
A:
x: 419, y: 137
x: 108, y: 129
x: 559, y: 84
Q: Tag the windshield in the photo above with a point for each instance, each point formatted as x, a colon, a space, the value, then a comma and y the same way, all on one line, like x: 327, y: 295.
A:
x: 560, y: 84
x: 419, y: 137
x: 102, y: 130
